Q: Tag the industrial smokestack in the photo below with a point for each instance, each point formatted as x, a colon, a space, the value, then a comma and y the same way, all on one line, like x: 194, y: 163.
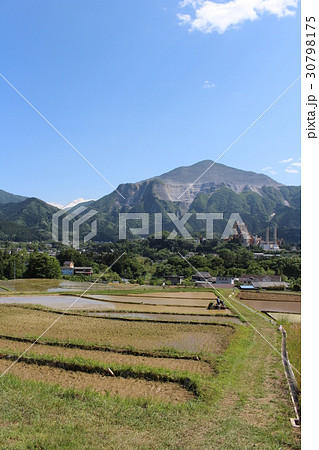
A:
x: 267, y: 235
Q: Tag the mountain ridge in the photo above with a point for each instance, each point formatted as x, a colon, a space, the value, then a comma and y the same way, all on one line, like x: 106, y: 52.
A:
x: 260, y: 200
x: 8, y: 197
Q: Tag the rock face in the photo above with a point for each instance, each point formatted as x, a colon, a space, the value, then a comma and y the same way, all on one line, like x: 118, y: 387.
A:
x: 206, y: 187
x: 183, y: 184
x: 207, y: 172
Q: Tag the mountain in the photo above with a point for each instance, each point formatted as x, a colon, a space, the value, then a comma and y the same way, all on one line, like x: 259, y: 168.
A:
x: 27, y: 220
x: 7, y: 197
x: 203, y: 187
x: 260, y: 200
x: 10, y: 231
x: 185, y: 183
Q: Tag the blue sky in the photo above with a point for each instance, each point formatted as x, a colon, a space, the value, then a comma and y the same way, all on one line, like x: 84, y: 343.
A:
x: 140, y: 87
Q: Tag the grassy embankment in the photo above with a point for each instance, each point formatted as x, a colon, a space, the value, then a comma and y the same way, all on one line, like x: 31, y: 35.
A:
x: 293, y: 328
x: 294, y: 346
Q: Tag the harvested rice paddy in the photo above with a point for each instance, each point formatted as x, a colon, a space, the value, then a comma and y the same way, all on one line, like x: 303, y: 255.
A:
x: 109, y: 357
x: 138, y: 382
x: 18, y: 321
x: 124, y: 387
x: 159, y: 300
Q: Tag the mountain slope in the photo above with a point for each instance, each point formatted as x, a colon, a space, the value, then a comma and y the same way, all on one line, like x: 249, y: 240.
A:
x: 10, y: 231
x: 29, y: 218
x: 209, y: 172
x: 7, y: 197
x: 260, y: 200
x: 185, y: 183
x: 258, y: 211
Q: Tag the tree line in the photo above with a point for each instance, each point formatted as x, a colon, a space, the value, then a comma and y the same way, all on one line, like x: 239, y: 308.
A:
x: 150, y: 260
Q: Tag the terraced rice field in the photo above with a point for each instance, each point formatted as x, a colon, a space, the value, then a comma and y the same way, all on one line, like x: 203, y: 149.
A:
x: 272, y: 301
x: 291, y: 318
x: 139, y: 383
x: 53, y: 301
x: 190, y: 318
x: 184, y: 365
x: 177, y: 295
x: 270, y: 296
x: 18, y: 321
x: 156, y: 300
x: 125, y: 387
x: 131, y: 337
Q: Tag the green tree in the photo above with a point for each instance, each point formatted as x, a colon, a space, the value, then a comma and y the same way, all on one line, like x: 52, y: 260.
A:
x: 228, y: 257
x: 42, y: 265
x: 79, y: 259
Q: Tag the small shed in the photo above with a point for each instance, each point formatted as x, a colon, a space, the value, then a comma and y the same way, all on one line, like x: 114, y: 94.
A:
x: 203, y: 276
x: 174, y: 279
x: 225, y: 280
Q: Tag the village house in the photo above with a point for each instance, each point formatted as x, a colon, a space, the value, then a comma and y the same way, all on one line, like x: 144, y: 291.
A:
x: 174, y: 279
x: 261, y: 282
x: 83, y: 271
x: 270, y: 284
x: 203, y: 277
x: 69, y: 269
x: 225, y: 280
x: 251, y: 278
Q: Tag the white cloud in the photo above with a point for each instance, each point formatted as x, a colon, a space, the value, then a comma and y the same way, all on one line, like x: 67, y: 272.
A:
x: 296, y: 164
x: 289, y: 170
x: 269, y: 170
x: 212, y: 16
x: 286, y: 160
x: 208, y: 85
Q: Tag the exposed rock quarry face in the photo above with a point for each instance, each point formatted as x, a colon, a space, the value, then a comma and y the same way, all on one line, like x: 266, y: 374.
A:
x: 185, y: 183
x: 186, y: 193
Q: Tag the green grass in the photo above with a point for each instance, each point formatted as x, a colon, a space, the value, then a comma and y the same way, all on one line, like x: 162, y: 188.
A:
x: 294, y: 346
